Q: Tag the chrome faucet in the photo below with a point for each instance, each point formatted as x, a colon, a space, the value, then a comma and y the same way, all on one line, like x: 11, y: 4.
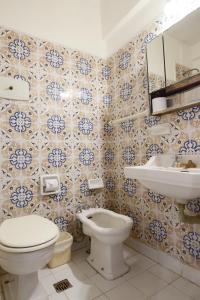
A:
x: 189, y: 71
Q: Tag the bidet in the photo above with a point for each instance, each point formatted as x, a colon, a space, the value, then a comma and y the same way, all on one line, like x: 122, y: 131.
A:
x: 108, y: 230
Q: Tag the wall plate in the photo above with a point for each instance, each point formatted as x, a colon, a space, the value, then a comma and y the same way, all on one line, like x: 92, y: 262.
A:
x: 14, y: 89
x: 96, y: 183
x: 160, y: 129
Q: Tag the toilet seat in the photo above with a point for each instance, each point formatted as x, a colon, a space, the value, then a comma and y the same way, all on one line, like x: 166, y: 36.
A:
x: 27, y: 233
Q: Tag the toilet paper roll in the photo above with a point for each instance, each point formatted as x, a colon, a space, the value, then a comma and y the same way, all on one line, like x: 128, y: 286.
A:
x: 159, y: 104
x: 51, y: 185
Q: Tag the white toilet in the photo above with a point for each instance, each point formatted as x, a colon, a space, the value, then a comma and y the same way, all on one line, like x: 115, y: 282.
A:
x: 26, y: 246
x: 108, y: 230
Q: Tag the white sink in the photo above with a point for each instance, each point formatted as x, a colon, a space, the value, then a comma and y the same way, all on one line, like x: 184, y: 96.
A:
x: 160, y: 176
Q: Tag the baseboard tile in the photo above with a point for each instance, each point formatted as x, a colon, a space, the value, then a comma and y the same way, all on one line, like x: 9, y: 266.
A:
x: 166, y: 260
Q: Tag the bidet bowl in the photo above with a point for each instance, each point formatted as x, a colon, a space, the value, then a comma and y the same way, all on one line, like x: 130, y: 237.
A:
x: 108, y: 236
x: 106, y: 226
x: 108, y: 230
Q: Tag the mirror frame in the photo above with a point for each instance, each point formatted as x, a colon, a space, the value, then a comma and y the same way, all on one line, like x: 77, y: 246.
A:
x: 175, y: 88
x: 164, y: 66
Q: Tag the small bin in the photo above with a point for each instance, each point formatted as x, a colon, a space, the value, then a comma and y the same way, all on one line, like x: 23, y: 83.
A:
x: 62, y: 250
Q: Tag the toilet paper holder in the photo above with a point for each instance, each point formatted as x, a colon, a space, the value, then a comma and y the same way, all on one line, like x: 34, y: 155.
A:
x: 49, y: 184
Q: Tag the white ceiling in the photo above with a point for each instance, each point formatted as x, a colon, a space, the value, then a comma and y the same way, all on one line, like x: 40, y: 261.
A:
x: 187, y: 30
x: 99, y: 27
x: 112, y: 11
x: 136, y: 19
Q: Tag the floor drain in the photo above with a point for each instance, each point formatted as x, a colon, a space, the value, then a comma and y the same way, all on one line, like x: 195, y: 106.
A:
x: 88, y: 251
x: 62, y: 285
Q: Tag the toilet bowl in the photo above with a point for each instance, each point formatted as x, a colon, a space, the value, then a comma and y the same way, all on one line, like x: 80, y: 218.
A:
x: 26, y: 246
x: 108, y: 230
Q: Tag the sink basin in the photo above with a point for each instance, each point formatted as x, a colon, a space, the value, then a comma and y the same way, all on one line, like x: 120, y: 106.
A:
x: 159, y: 175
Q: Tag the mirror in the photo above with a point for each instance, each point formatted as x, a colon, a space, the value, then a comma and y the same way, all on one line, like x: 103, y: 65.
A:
x: 173, y: 60
x: 182, y: 48
x: 156, y: 69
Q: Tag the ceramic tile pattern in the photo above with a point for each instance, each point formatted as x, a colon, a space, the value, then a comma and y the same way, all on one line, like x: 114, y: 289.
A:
x: 149, y: 282
x: 156, y: 218
x: 58, y: 131
x: 65, y: 129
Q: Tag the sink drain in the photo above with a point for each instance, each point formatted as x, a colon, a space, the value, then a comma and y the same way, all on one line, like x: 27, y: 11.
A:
x: 62, y: 285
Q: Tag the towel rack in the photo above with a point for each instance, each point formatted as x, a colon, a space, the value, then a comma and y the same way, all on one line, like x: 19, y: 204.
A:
x: 131, y: 117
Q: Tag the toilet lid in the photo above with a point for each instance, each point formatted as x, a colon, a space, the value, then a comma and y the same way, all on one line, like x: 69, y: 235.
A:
x: 27, y: 231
